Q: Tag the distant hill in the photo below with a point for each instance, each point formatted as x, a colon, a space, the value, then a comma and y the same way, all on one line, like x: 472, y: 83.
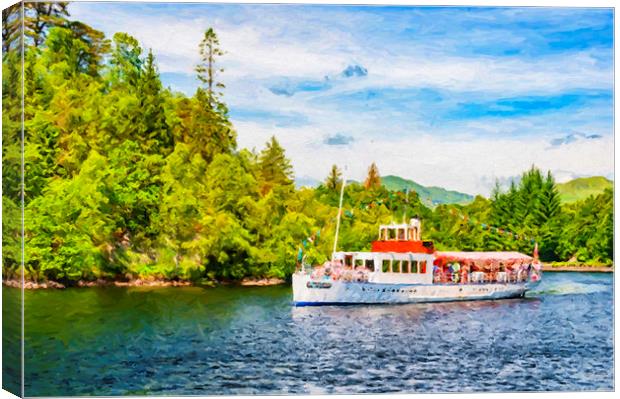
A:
x: 428, y: 195
x: 306, y: 181
x: 582, y: 188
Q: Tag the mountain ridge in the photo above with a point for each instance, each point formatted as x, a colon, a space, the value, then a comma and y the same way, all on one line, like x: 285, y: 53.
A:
x: 571, y: 191
x: 581, y: 188
x: 429, y: 195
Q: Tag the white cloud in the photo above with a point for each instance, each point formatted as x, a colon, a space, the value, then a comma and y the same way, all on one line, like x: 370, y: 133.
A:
x: 468, y: 165
x: 267, y: 42
x: 264, y: 44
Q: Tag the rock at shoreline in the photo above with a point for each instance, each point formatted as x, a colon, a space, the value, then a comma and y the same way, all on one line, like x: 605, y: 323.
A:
x: 152, y: 283
x: 262, y: 282
x: 31, y: 285
x: 97, y: 283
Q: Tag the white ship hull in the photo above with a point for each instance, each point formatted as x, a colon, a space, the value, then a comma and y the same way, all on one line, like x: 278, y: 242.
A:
x: 308, y: 292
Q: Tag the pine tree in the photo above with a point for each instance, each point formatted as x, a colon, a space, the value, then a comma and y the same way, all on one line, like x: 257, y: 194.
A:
x: 548, y: 200
x: 333, y: 180
x: 205, y: 116
x: 373, y: 180
x: 207, y: 131
x: 207, y: 69
x: 154, y: 128
x: 275, y: 168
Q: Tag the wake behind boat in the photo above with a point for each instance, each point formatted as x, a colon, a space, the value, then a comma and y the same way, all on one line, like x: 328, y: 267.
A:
x: 401, y: 268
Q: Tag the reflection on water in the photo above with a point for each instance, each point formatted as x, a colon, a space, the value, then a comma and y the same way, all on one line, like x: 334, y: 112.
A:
x: 250, y: 340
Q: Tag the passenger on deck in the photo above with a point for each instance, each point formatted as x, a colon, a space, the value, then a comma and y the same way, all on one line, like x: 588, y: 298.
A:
x: 455, y: 268
x: 465, y: 274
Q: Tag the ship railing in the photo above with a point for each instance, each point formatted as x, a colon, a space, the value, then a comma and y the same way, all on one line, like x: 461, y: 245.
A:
x: 480, y: 277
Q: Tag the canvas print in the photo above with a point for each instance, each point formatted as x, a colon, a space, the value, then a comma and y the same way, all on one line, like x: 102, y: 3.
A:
x: 259, y: 199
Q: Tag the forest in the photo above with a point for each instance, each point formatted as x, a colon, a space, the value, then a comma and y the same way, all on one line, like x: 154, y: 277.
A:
x: 126, y: 179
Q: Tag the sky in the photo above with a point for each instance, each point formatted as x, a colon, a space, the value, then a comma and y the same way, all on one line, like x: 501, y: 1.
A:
x: 456, y: 97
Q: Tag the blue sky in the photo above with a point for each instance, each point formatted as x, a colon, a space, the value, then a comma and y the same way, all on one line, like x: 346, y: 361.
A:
x: 448, y: 96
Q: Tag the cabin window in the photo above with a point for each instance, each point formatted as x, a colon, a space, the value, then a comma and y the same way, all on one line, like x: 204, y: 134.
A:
x: 423, y: 267
x: 384, y: 234
x: 396, y: 266
x: 370, y: 264
x: 391, y: 234
x: 359, y: 262
x: 412, y: 234
x: 385, y: 267
x: 401, y: 234
x: 406, y: 266
x: 348, y: 260
x: 414, y: 266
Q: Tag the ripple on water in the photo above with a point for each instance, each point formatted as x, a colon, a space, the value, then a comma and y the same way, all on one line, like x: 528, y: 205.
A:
x: 251, y: 341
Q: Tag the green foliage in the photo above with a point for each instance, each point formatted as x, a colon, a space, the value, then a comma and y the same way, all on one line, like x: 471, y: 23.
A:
x: 125, y: 179
x: 334, y: 180
x: 531, y: 209
x: 39, y: 17
x: 587, y: 230
x: 275, y: 168
x: 69, y: 227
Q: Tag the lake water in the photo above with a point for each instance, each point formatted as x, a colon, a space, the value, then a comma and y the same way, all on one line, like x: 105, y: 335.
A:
x: 250, y: 340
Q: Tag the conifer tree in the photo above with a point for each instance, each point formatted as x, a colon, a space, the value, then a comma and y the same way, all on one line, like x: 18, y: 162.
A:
x: 275, y: 168
x: 373, y: 180
x: 548, y: 200
x: 210, y: 131
x: 207, y: 131
x: 208, y: 70
x: 111, y: 193
x: 154, y: 128
x: 333, y: 180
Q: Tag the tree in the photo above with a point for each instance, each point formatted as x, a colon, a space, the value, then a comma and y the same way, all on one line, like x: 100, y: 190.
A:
x: 11, y: 28
x: 97, y: 46
x: 333, y: 180
x: 373, y: 180
x: 587, y: 230
x: 275, y: 168
x: 125, y: 179
x: 207, y: 69
x: 126, y: 61
x: 77, y: 48
x: 206, y: 131
x: 180, y: 211
x: 68, y: 234
x: 40, y: 16
x: 154, y: 129
x: 62, y: 82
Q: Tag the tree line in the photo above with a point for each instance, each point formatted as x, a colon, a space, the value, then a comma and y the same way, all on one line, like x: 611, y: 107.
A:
x: 126, y: 179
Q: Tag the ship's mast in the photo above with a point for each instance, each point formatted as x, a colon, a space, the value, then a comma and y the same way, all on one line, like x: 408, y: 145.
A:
x: 344, y: 181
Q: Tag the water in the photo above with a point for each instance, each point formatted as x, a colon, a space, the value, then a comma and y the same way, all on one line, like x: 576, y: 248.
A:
x: 243, y: 340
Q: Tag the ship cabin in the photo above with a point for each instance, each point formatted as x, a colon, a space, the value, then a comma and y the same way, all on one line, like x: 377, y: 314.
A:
x: 399, y: 256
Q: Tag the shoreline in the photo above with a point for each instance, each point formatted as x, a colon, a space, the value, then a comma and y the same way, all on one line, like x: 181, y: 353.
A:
x: 31, y: 285
x: 246, y: 282
x: 579, y: 269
